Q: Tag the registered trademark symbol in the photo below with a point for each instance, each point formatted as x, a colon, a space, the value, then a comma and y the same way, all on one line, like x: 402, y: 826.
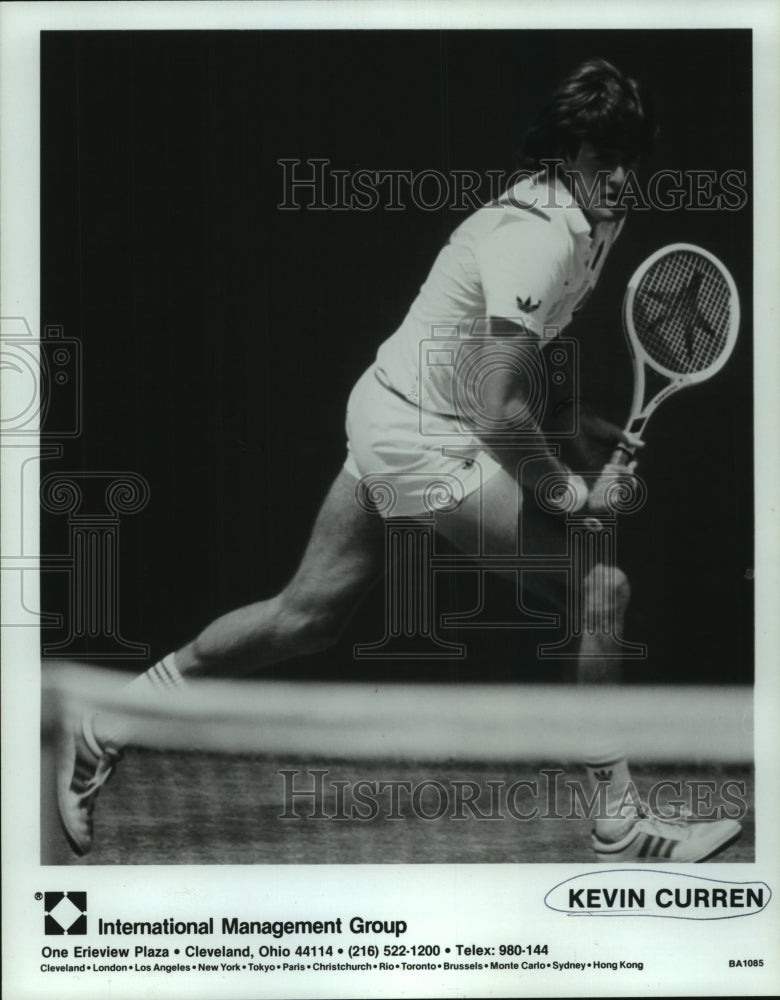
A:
x: 39, y: 895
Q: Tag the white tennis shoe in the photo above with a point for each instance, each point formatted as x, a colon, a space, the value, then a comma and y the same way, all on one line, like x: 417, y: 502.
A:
x: 653, y: 838
x: 81, y: 773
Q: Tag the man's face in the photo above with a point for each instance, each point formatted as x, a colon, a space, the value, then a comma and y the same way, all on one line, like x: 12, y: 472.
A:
x: 596, y: 176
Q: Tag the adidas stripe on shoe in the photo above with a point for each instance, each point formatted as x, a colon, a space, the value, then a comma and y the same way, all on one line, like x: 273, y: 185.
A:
x: 652, y: 838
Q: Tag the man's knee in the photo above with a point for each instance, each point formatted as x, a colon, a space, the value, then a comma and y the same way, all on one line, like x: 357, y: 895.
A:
x: 312, y: 625
x: 607, y: 588
x: 290, y: 624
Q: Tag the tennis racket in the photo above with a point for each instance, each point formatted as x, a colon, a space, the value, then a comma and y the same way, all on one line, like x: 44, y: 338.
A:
x: 681, y: 318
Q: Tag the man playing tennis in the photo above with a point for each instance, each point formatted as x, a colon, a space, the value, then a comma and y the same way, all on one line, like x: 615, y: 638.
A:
x: 510, y: 277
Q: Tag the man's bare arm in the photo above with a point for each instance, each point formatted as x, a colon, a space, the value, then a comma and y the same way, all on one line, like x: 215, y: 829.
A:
x: 505, y: 399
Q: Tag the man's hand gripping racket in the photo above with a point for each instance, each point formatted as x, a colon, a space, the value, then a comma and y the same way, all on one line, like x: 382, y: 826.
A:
x: 681, y: 317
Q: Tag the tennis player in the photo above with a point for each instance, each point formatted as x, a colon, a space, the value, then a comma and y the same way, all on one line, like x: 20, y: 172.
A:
x: 510, y: 278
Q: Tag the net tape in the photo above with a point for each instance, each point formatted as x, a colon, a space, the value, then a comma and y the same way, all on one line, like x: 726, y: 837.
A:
x: 414, y: 722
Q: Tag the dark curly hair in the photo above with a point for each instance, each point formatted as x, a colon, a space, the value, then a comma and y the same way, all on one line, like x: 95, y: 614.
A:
x: 596, y: 103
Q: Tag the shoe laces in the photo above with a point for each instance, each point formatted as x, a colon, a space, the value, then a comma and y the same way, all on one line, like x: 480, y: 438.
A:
x: 660, y: 822
x: 89, y: 778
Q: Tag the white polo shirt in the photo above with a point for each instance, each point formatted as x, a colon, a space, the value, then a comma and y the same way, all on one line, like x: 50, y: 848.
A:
x: 531, y: 257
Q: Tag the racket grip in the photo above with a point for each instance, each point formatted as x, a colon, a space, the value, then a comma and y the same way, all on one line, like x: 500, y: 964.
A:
x: 597, y: 501
x: 622, y: 455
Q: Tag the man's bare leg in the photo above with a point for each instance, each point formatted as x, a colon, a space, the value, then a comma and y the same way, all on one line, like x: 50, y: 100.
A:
x: 495, y: 513
x: 344, y: 556
x: 497, y: 516
x: 342, y: 559
x: 623, y: 831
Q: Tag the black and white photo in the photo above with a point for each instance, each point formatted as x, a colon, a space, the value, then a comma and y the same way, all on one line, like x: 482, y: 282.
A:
x: 388, y: 449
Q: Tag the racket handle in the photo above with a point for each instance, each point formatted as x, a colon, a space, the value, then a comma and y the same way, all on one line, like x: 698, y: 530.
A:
x: 622, y: 455
x: 597, y: 501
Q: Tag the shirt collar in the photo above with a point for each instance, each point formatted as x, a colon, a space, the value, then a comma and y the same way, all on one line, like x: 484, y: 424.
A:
x: 569, y: 210
x: 576, y: 220
x: 555, y: 201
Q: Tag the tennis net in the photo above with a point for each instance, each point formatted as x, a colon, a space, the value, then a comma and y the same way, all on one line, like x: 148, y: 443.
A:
x: 273, y: 772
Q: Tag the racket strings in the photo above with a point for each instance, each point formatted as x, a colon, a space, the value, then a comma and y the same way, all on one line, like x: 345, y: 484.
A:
x: 682, y: 312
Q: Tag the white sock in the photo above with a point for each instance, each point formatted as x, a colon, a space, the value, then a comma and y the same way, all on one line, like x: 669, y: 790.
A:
x: 606, y: 763
x: 161, y: 681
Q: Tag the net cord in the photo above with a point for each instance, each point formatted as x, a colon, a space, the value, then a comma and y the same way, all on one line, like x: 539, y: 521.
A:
x: 413, y: 722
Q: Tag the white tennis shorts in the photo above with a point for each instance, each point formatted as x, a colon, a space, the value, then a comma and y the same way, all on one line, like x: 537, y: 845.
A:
x: 409, y: 462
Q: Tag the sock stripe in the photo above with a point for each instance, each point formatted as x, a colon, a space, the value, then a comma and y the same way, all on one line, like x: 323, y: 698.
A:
x: 162, y: 680
x: 154, y: 681
x: 164, y: 676
x: 169, y: 672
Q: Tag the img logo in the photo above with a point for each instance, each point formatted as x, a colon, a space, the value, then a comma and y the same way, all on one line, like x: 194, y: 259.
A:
x: 65, y: 912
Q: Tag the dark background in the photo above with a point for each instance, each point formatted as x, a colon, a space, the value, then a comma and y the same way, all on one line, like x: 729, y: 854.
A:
x: 221, y: 336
